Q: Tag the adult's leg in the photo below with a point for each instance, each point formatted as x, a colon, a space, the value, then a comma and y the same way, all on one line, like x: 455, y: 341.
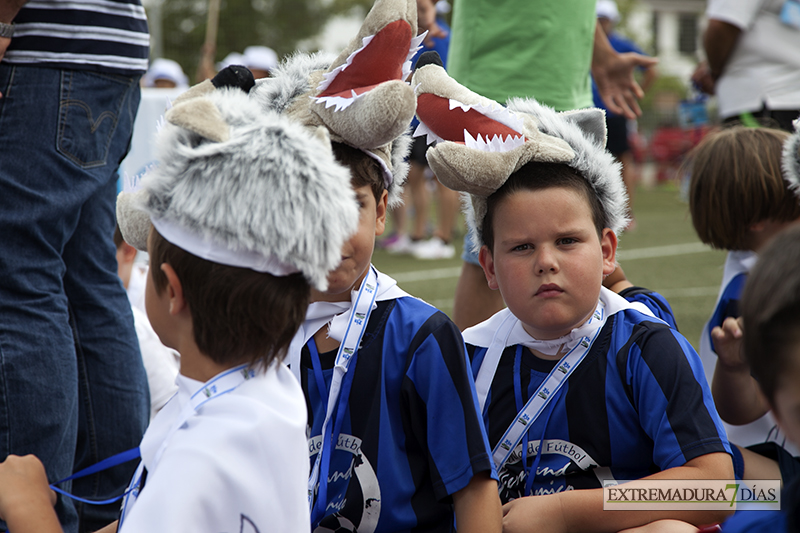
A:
x: 40, y: 203
x: 474, y: 301
x: 448, y: 212
x: 420, y: 199
x: 114, y: 403
x: 56, y: 135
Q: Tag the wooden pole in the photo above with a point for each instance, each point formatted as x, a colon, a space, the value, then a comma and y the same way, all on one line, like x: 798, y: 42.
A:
x: 206, y: 68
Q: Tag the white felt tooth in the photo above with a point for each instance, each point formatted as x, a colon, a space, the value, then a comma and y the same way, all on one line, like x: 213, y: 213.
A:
x: 455, y: 103
x: 415, y: 46
x: 328, y: 77
x: 515, y: 141
x: 416, y: 43
x: 471, y: 142
x: 407, y: 67
x: 339, y: 101
x: 431, y: 137
x: 510, y: 119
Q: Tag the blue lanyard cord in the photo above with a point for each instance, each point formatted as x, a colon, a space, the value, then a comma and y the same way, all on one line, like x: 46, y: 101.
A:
x: 330, y: 440
x: 519, y: 400
x: 105, y: 464
x: 319, y: 378
x: 532, y: 472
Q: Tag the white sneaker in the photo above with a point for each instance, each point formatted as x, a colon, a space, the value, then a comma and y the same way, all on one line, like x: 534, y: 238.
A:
x: 433, y: 248
x: 401, y: 245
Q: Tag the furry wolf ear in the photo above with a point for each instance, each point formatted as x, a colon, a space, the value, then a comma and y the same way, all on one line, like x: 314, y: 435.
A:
x: 202, y: 117
x: 592, y: 121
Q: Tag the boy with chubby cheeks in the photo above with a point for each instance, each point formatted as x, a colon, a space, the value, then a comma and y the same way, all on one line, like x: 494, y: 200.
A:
x: 576, y: 385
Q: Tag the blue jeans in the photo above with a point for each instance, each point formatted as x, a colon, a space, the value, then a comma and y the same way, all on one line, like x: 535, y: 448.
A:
x: 73, y: 389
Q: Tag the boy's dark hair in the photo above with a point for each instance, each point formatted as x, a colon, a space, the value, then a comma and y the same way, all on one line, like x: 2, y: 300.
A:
x: 770, y: 307
x: 238, y: 315
x: 118, y: 240
x: 736, y: 181
x: 364, y: 169
x: 535, y: 176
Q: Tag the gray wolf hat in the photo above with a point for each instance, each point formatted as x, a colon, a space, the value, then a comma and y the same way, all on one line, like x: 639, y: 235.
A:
x: 361, y: 95
x: 791, y: 160
x: 480, y: 143
x: 243, y: 187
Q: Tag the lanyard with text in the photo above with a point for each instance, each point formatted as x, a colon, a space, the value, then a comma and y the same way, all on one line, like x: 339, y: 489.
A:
x: 220, y: 384
x: 547, y: 390
x: 359, y: 316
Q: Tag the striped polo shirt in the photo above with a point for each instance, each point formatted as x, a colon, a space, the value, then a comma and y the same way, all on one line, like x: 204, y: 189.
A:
x: 98, y: 35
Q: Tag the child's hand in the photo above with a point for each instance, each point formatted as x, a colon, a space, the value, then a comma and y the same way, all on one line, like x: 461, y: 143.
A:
x: 728, y: 344
x: 534, y: 513
x: 23, y: 486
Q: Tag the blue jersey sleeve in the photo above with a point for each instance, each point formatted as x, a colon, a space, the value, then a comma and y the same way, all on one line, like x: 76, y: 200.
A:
x: 443, y: 410
x: 666, y: 383
x: 728, y: 305
x: 653, y: 301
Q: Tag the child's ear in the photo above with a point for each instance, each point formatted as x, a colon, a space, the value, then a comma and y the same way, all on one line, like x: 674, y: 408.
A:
x: 174, y: 290
x: 608, y: 244
x: 127, y: 252
x: 380, y: 213
x: 487, y: 263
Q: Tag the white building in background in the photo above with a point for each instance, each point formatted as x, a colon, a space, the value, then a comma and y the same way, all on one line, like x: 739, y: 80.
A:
x: 674, y: 30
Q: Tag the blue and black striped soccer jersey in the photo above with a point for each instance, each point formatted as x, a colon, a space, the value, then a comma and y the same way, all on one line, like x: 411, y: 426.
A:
x: 411, y: 435
x: 636, y: 405
x: 652, y: 300
x: 99, y: 35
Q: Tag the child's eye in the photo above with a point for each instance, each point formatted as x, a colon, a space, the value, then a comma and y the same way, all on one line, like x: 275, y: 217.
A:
x: 522, y: 248
x: 567, y: 240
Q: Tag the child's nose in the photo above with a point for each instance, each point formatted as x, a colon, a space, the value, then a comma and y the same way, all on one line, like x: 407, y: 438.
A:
x: 546, y: 260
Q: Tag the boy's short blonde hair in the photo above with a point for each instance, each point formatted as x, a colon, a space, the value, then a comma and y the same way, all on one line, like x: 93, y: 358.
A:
x: 736, y: 181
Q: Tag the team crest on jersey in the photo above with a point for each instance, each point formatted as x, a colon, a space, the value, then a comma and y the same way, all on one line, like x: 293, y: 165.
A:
x: 366, y: 478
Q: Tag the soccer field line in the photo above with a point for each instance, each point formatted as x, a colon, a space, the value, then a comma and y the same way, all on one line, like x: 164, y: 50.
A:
x: 622, y: 255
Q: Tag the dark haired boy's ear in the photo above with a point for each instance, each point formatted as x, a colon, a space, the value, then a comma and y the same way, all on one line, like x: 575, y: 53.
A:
x: 608, y: 245
x: 174, y: 289
x: 486, y: 260
x: 380, y: 213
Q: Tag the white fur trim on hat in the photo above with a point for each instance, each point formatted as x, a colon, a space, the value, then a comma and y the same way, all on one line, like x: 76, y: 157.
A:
x: 791, y: 160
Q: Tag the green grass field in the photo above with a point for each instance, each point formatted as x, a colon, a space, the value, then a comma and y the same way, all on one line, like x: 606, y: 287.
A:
x: 662, y: 253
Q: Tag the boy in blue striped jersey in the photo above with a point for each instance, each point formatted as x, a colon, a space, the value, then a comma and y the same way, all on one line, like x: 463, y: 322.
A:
x: 395, y: 439
x: 577, y: 386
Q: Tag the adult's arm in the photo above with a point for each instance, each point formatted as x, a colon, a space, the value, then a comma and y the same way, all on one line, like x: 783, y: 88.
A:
x: 8, y: 10
x: 613, y: 75
x: 719, y: 40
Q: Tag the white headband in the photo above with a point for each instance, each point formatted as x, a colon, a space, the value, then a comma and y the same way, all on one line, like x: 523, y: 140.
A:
x: 208, y: 249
